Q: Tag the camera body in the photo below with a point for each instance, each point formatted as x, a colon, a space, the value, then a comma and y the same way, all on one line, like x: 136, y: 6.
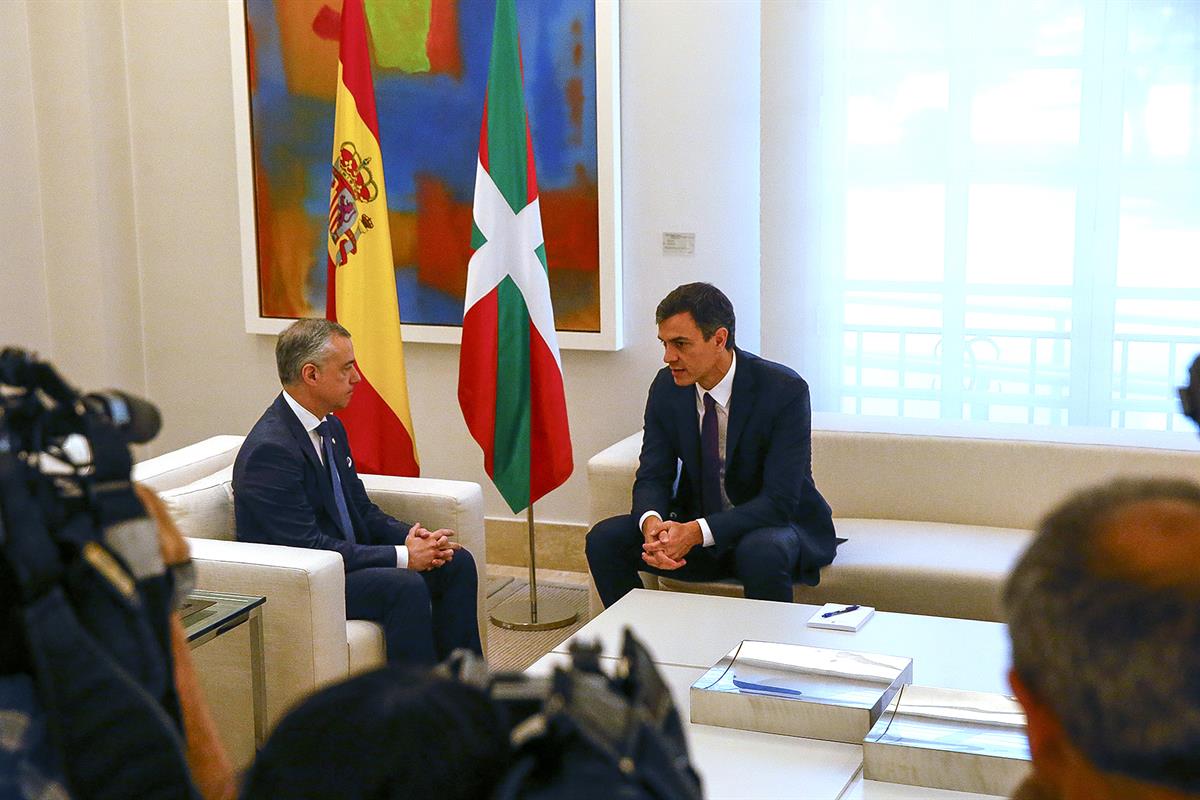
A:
x: 583, y: 734
x: 85, y: 596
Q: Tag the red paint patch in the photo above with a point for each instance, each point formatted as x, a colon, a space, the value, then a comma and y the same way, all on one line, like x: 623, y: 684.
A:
x: 575, y: 106
x: 441, y: 45
x: 570, y: 225
x: 443, y: 245
x: 251, y: 59
x: 327, y: 24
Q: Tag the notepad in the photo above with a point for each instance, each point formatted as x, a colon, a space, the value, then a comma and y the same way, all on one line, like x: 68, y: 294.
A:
x: 847, y: 621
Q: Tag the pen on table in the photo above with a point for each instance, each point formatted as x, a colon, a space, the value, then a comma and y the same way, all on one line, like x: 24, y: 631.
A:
x: 845, y: 610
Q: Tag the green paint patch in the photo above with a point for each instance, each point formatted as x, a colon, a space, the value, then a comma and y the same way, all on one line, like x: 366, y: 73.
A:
x: 399, y: 30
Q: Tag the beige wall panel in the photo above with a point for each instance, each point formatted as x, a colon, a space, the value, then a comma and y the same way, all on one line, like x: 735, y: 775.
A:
x: 24, y: 309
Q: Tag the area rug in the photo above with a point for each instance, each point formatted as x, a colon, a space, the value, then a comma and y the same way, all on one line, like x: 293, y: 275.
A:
x: 513, y: 651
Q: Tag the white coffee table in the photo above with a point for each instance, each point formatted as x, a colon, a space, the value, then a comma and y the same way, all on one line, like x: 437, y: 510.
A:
x: 688, y: 633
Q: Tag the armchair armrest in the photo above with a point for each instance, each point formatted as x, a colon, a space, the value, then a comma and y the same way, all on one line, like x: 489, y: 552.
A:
x: 304, y: 618
x: 437, y: 503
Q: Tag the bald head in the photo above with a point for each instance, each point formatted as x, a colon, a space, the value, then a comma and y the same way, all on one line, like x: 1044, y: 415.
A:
x: 1104, y: 615
x: 1154, y: 542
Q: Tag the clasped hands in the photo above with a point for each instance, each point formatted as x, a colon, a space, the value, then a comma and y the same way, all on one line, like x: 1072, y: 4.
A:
x: 429, y: 549
x: 667, y: 542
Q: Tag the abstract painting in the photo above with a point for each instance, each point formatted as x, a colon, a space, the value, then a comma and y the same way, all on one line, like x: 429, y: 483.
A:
x: 429, y: 60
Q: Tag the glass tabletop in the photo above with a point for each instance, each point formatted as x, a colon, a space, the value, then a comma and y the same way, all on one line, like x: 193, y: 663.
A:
x: 204, y: 612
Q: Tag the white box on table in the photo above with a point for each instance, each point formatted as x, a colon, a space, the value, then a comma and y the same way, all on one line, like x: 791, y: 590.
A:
x: 790, y: 689
x: 949, y: 739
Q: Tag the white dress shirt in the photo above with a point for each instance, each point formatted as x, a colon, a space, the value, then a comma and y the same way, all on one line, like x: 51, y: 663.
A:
x: 721, y: 394
x: 310, y: 423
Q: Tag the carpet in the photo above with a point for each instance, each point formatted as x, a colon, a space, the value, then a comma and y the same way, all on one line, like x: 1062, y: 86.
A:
x: 513, y: 651
x: 496, y: 583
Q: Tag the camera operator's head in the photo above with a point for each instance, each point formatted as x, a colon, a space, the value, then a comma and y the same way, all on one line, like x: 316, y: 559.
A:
x: 1189, y: 395
x: 1104, y: 615
x: 315, y: 359
x: 385, y: 735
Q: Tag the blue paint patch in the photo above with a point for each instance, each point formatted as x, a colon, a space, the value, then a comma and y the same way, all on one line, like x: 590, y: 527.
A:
x: 423, y: 303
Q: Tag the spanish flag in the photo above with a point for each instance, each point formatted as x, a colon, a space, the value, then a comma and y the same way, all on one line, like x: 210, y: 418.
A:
x: 362, y: 278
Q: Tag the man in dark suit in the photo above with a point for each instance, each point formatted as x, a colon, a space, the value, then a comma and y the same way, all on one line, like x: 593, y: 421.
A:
x: 419, y: 584
x: 724, y: 487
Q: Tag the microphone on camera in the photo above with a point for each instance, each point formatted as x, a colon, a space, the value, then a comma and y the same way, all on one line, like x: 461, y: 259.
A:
x: 136, y: 419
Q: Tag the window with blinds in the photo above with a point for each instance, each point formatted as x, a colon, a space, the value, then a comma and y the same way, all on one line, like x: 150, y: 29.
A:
x: 1012, y: 208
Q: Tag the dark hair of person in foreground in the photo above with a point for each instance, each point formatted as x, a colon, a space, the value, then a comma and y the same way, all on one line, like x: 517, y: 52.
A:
x: 385, y: 735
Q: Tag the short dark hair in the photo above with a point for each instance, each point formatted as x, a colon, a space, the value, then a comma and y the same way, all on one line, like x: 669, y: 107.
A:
x: 707, y: 304
x: 305, y: 341
x: 390, y: 734
x: 1115, y: 659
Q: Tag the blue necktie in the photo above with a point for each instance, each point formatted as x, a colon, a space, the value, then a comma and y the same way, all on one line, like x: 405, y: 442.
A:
x: 339, y: 497
x: 710, y: 459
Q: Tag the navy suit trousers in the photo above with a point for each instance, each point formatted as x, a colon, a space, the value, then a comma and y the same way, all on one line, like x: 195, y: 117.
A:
x: 764, y: 560
x: 425, y: 615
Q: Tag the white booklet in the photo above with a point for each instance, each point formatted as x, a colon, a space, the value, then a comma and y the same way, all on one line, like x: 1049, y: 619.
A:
x: 841, y: 617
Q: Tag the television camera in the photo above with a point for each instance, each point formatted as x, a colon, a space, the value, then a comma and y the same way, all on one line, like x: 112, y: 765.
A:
x: 85, y: 596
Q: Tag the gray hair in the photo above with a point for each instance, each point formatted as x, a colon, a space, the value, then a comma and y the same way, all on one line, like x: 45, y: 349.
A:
x: 305, y: 341
x: 1116, y: 660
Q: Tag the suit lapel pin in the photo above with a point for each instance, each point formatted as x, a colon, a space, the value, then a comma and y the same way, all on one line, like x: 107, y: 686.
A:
x: 348, y: 461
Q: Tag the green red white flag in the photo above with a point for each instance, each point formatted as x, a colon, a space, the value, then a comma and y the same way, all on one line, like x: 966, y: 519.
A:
x: 361, y: 292
x: 510, y: 380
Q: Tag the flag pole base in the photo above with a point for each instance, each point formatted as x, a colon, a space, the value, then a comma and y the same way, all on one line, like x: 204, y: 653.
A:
x: 516, y: 615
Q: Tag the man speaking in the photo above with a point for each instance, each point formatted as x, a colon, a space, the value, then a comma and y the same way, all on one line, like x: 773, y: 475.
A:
x: 724, y: 485
x: 294, y: 484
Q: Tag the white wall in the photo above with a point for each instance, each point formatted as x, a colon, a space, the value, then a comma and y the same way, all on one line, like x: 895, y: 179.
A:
x: 91, y: 257
x: 133, y: 108
x: 24, y: 309
x: 792, y: 210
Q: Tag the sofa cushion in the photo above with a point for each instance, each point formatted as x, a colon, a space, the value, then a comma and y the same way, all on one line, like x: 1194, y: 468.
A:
x: 935, y: 568
x: 203, y: 509
x: 366, y: 648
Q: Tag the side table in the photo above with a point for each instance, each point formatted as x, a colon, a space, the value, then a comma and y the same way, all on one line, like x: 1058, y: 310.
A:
x: 207, y: 615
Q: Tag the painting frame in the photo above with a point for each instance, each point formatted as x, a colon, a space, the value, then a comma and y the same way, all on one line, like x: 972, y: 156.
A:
x: 608, y: 177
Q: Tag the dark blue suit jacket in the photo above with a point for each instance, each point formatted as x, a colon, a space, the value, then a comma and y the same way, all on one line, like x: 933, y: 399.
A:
x: 768, y: 460
x: 282, y: 494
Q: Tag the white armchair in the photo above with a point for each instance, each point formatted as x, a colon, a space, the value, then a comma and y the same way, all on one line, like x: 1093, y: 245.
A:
x: 308, y: 640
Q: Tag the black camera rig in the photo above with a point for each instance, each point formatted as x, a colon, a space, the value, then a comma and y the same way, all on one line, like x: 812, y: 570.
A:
x: 85, y: 598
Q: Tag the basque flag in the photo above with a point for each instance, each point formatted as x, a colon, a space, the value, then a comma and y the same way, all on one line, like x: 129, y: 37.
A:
x: 510, y: 379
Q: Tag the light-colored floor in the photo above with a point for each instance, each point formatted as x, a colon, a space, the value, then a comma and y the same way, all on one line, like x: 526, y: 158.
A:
x: 548, y: 575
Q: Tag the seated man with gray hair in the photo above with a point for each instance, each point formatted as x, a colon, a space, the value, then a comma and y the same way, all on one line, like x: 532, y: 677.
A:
x: 294, y: 483
x: 1104, y: 615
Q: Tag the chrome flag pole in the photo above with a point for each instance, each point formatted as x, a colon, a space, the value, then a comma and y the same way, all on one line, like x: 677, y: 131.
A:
x: 516, y: 615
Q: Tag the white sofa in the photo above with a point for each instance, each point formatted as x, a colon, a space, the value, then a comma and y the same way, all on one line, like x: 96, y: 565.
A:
x: 935, y: 516
x: 308, y: 640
